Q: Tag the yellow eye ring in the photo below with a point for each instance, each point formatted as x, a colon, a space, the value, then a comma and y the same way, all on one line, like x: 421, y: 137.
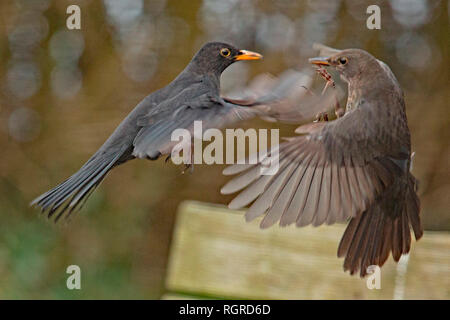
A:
x: 225, y: 52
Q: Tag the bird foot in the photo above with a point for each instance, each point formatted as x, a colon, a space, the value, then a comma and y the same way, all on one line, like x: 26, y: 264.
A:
x: 322, y: 116
x: 187, y: 167
x: 340, y: 112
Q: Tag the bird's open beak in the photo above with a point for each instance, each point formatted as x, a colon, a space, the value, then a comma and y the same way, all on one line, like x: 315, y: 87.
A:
x: 320, y: 61
x: 247, y: 55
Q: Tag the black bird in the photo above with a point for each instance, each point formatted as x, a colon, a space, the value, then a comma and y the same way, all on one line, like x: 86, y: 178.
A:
x: 146, y: 131
x: 355, y: 168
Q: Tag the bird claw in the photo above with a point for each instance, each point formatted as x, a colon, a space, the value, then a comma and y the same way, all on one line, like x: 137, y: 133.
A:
x: 187, y: 167
x: 322, y: 116
x: 339, y: 111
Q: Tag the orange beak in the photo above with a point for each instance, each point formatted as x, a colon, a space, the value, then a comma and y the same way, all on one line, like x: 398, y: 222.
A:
x: 247, y: 55
x: 320, y: 61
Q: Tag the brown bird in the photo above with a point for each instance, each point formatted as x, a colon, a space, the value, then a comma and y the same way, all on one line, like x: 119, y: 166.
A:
x: 355, y: 168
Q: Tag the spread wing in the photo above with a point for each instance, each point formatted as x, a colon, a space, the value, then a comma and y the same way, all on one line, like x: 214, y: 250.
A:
x: 282, y: 99
x: 330, y: 174
x: 286, y: 98
x: 154, y: 138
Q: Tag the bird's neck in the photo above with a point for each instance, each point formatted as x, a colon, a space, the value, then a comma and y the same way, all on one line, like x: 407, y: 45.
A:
x: 213, y: 79
x: 355, y: 93
x: 204, y: 70
x: 371, y: 86
x: 191, y: 75
x: 359, y: 91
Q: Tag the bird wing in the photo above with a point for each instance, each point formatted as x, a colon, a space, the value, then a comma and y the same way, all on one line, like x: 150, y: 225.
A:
x: 155, y: 136
x: 284, y: 99
x: 328, y: 175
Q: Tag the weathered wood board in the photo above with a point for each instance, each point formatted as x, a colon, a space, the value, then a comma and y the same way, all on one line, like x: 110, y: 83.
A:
x: 216, y: 254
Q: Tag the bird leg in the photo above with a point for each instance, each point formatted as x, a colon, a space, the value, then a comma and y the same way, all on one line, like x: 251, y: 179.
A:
x: 321, y: 116
x: 189, y: 166
x: 186, y: 165
x: 338, y: 110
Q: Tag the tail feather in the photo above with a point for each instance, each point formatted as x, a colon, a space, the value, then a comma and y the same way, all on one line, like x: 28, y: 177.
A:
x: 413, y: 207
x: 381, y: 229
x: 70, y: 195
x: 46, y: 199
x: 68, y: 187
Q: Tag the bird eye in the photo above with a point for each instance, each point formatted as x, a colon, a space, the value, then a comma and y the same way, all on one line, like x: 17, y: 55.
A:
x: 343, y: 60
x: 225, y: 52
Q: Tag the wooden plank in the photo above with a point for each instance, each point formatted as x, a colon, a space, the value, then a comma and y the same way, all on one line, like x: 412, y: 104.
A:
x: 215, y: 253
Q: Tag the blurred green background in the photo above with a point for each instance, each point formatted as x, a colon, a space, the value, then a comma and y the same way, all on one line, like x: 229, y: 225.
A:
x: 62, y: 92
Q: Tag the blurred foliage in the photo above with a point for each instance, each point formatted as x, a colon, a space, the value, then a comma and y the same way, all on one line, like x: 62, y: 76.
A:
x: 63, y: 92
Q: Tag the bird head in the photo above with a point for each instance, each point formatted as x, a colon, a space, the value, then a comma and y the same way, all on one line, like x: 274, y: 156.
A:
x: 350, y: 63
x: 215, y: 57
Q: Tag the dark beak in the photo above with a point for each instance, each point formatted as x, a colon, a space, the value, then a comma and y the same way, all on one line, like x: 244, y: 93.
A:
x: 320, y: 61
x: 247, y: 55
